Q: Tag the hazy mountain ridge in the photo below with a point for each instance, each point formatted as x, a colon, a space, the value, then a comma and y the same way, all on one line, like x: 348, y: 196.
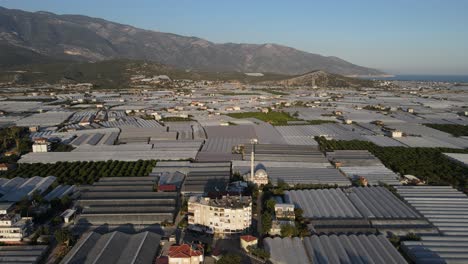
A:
x: 81, y: 38
x: 322, y: 79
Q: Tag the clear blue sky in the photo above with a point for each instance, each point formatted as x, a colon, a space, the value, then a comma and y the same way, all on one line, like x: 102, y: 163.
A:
x: 398, y: 36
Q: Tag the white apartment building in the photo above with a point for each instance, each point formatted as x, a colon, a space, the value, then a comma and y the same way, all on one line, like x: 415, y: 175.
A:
x: 227, y: 215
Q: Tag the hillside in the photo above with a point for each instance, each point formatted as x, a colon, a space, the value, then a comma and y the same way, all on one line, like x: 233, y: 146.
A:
x: 80, y: 38
x: 323, y: 79
x: 112, y: 73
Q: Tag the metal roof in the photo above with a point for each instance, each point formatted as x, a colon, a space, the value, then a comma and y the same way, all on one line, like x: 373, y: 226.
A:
x: 437, y: 249
x: 18, y: 188
x: 51, y: 118
x: 114, y: 248
x: 122, y: 200
x: 333, y: 249
x: 24, y: 254
x: 447, y: 209
x: 349, y: 203
x: 223, y: 144
x: 118, y: 154
x: 375, y: 175
x: 443, y: 206
x: 335, y: 131
x: 60, y: 191
x: 297, y: 175
x: 380, y: 203
x: 458, y: 157
x: 327, y: 203
x: 238, y: 131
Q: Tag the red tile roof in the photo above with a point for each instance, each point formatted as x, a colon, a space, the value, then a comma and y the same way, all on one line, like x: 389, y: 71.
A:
x: 184, y: 251
x: 162, y: 260
x: 248, y: 238
x: 167, y: 188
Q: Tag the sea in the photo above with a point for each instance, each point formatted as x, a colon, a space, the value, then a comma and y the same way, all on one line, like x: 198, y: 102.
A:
x: 425, y: 78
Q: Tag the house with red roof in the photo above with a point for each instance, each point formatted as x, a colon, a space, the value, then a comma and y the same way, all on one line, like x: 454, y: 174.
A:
x: 4, y: 167
x: 248, y: 240
x: 186, y: 254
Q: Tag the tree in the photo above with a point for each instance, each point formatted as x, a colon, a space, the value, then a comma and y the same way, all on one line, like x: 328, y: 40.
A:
x: 56, y: 220
x: 270, y: 205
x: 65, y: 202
x: 63, y: 236
x: 37, y: 198
x: 411, y: 237
x: 267, y: 220
x: 282, y: 185
x: 258, y: 252
x: 15, y: 134
x: 288, y: 230
x: 298, y: 214
x: 230, y: 259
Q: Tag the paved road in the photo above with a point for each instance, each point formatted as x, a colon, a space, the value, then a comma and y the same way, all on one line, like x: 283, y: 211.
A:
x: 259, y: 212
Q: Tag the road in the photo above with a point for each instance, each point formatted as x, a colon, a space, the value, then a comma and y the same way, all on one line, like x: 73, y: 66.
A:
x: 259, y: 212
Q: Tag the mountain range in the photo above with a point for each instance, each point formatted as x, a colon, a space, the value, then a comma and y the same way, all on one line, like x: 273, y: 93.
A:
x: 37, y: 37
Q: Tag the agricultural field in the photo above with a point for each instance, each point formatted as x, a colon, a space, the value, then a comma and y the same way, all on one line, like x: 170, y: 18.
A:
x: 455, y: 130
x: 274, y: 118
x: 82, y: 172
x: 428, y: 164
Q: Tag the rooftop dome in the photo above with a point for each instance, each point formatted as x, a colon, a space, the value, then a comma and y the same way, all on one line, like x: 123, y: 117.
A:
x: 261, y: 173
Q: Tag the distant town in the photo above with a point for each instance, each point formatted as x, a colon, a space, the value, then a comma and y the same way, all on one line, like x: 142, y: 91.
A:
x: 201, y: 171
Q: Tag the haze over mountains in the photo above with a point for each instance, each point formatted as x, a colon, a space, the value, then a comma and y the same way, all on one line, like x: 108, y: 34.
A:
x: 39, y: 37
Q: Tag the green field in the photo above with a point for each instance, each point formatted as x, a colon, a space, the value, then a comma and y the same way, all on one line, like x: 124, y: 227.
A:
x: 274, y: 118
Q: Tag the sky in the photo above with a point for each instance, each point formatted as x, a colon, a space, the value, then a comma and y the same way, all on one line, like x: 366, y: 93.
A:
x: 396, y: 36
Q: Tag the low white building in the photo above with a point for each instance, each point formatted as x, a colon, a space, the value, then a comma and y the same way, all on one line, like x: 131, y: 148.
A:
x: 284, y: 211
x: 247, y: 241
x: 68, y: 215
x: 156, y: 116
x: 227, y: 215
x: 13, y: 228
x: 394, y: 133
x: 276, y: 226
x: 41, y: 145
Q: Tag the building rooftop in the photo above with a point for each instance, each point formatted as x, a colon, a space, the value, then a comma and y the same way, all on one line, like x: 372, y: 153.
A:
x: 24, y: 254
x: 333, y: 249
x: 185, y: 251
x: 224, y: 202
x: 114, y: 248
x: 248, y: 238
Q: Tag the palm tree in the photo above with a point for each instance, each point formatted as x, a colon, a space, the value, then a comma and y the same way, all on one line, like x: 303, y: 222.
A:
x: 5, y: 142
x: 15, y: 134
